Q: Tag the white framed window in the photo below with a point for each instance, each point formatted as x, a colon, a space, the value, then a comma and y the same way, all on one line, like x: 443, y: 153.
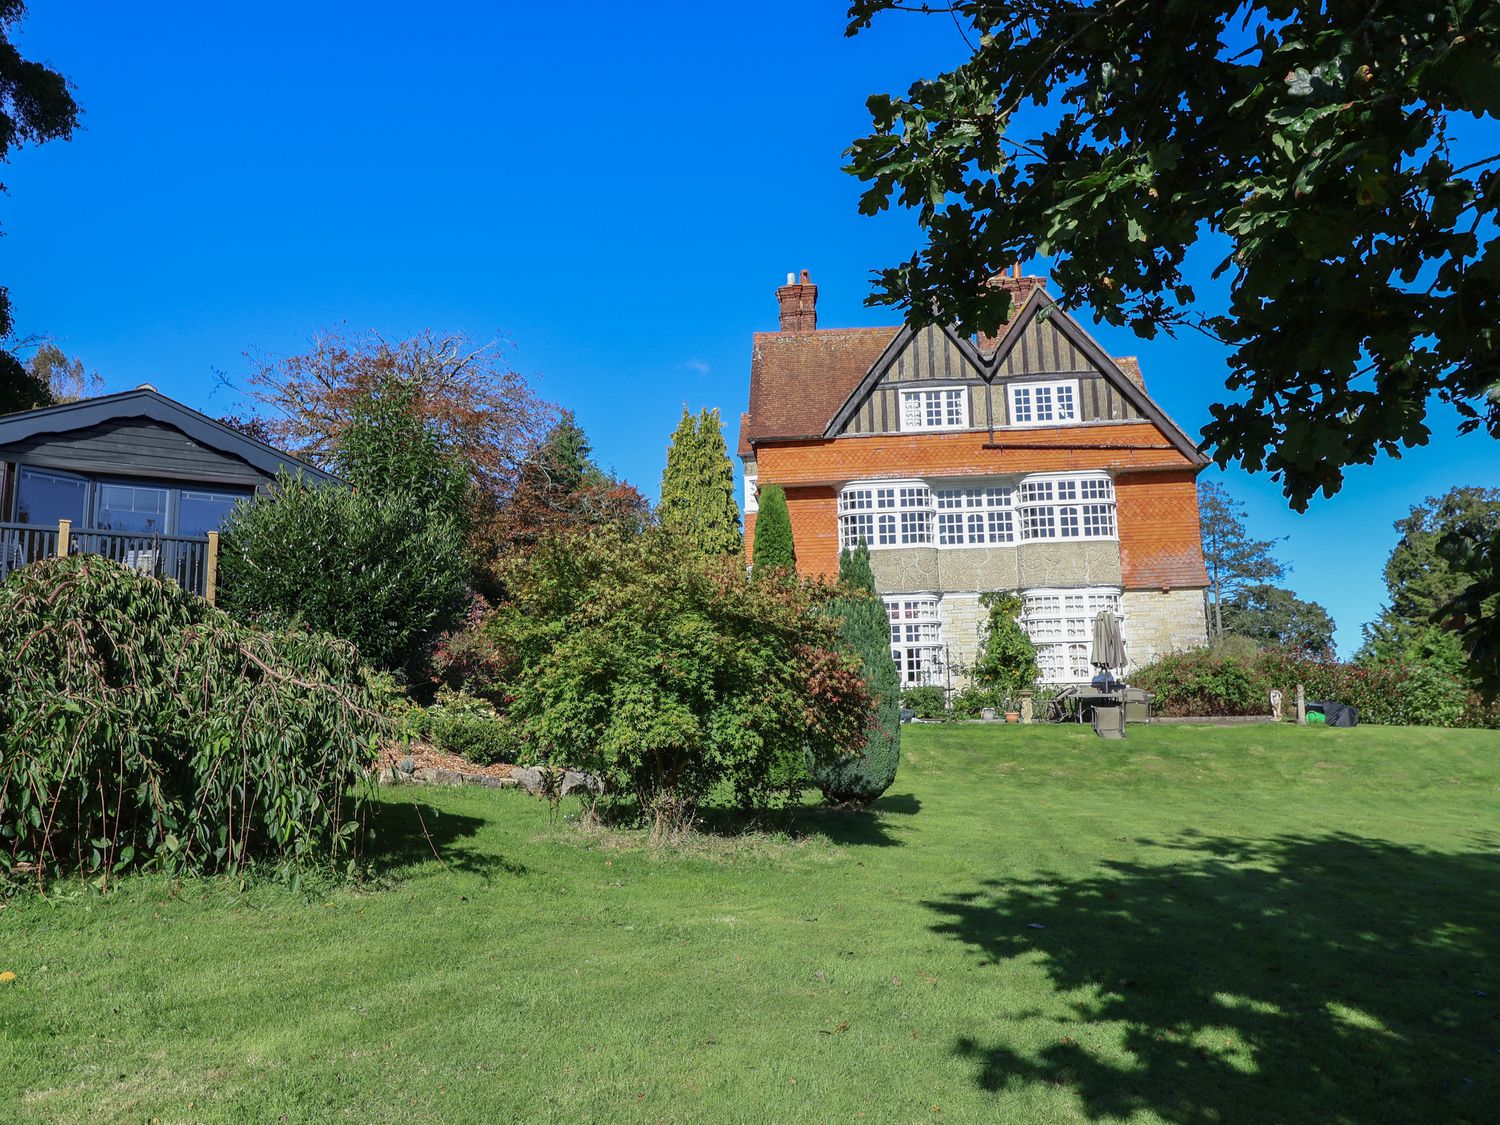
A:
x: 1044, y: 404
x: 916, y: 638
x: 1067, y: 507
x: 975, y: 516
x: 1044, y: 506
x: 940, y: 408
x: 752, y: 496
x: 885, y: 514
x: 1061, y: 625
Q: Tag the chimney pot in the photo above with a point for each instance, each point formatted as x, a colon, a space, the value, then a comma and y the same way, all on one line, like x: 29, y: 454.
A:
x: 799, y: 303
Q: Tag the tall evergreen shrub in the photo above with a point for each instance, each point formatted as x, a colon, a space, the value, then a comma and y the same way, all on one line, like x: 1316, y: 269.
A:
x: 865, y: 627
x: 381, y: 565
x: 697, y: 487
x: 773, y: 532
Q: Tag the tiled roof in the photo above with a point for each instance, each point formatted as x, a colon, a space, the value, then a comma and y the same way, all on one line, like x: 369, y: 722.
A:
x: 798, y: 380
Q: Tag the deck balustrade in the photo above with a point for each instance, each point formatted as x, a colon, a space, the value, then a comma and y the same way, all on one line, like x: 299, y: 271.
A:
x: 189, y: 560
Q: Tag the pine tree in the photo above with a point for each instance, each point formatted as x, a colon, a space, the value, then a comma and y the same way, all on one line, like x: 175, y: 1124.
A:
x: 1233, y: 559
x: 697, y: 487
x: 866, y: 629
x: 773, y: 532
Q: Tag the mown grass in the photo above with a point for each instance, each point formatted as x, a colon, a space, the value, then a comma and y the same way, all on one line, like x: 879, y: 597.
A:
x: 1252, y: 924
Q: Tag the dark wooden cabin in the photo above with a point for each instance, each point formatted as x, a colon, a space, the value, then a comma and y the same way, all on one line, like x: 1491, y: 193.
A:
x: 136, y: 476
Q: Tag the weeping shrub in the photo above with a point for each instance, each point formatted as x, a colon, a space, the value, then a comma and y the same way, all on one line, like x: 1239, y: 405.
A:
x: 142, y: 728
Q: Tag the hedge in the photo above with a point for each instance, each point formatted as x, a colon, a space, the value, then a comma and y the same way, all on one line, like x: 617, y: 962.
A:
x: 1210, y: 683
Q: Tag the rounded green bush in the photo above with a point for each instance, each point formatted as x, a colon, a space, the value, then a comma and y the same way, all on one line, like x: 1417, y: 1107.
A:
x: 479, y: 738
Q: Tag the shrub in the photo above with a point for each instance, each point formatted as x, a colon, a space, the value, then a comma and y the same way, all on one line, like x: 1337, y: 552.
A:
x: 927, y: 702
x: 668, y: 672
x: 142, y: 728
x: 865, y: 629
x: 377, y: 570
x: 774, y: 546
x: 1206, y: 682
x: 463, y: 725
x: 1007, y: 657
x: 1202, y: 682
x: 972, y: 700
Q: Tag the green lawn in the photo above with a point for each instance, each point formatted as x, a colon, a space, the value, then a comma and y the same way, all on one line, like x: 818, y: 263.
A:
x: 1252, y: 924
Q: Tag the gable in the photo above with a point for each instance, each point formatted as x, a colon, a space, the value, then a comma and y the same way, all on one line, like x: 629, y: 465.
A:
x: 155, y: 419
x: 934, y: 356
x: 138, y: 447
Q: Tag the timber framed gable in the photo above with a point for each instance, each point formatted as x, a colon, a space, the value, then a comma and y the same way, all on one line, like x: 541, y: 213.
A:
x: 1043, y: 344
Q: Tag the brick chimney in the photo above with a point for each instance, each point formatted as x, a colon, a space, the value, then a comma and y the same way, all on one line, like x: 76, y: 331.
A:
x: 1020, y: 289
x: 798, y: 299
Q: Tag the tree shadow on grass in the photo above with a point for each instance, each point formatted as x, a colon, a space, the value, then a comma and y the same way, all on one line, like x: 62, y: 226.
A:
x: 867, y: 827
x: 409, y: 832
x: 1298, y: 978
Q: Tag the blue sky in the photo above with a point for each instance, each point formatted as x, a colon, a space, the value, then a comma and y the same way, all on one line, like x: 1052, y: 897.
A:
x: 617, y: 198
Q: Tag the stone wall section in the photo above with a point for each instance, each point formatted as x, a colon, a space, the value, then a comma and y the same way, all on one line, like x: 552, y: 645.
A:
x: 961, y: 617
x: 1158, y: 623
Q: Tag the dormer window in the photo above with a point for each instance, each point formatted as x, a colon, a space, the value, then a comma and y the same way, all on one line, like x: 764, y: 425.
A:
x: 942, y: 408
x: 1044, y: 404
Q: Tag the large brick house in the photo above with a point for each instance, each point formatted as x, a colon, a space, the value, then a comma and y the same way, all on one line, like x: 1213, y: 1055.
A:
x: 1034, y: 462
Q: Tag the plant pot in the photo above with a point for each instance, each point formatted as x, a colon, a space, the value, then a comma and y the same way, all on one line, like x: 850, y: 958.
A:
x: 1012, y: 716
x: 987, y: 714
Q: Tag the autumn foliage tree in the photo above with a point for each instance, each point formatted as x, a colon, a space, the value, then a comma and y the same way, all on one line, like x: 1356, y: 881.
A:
x: 559, y: 490
x: 481, y: 410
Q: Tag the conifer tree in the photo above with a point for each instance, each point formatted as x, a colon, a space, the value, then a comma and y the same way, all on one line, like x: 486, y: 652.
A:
x: 773, y: 532
x: 697, y: 487
x: 866, y: 629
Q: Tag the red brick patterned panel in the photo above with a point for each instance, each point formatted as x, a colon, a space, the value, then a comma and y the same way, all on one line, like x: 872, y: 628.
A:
x: 1161, y: 545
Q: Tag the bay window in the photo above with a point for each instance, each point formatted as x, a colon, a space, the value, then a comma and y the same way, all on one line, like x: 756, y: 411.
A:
x: 1061, y: 625
x: 1067, y: 507
x: 916, y: 638
x: 1044, y: 506
x: 886, y: 514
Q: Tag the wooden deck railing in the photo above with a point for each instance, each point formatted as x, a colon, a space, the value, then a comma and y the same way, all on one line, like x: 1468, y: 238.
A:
x: 192, y: 561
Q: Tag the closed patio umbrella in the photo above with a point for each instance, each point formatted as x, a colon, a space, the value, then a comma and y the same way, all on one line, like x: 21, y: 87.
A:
x: 1109, y: 645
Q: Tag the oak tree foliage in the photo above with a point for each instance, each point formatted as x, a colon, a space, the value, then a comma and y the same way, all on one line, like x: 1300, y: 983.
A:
x: 1434, y: 577
x: 1279, y: 618
x: 1312, y: 142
